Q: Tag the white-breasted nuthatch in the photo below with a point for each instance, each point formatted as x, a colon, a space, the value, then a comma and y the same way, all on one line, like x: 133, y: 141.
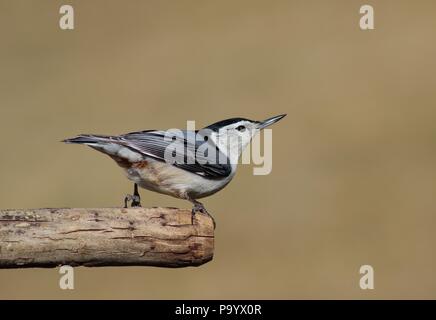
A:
x: 184, y: 164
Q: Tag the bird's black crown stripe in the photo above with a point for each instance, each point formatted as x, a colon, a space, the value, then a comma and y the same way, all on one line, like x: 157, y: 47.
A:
x: 218, y: 125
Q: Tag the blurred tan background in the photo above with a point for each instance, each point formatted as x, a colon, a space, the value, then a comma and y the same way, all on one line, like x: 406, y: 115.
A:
x: 354, y: 163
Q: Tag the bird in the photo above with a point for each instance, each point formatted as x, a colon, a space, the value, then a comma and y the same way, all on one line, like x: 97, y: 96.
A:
x: 185, y: 164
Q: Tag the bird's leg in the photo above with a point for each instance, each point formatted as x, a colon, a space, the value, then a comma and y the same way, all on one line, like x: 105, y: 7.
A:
x: 135, y: 198
x: 199, y: 207
x: 136, y: 201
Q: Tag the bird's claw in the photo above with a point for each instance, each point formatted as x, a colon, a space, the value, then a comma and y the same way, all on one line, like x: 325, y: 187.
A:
x: 135, y: 198
x: 199, y: 207
x: 135, y: 201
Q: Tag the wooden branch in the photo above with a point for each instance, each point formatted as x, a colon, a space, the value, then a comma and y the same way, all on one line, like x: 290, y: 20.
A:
x: 161, y: 237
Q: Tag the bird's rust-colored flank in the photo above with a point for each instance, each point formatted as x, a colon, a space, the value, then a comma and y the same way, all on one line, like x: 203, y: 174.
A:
x: 139, y: 165
x: 124, y: 163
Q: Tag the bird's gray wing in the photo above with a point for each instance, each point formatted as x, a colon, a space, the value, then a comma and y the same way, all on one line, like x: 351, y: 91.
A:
x: 184, y: 146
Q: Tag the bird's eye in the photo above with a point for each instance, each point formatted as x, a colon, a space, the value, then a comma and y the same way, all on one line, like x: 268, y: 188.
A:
x: 241, y: 128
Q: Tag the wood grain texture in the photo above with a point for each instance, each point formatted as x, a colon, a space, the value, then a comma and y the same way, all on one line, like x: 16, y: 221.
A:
x: 161, y: 237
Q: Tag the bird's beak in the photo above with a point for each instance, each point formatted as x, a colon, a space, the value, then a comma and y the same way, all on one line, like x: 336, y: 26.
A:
x: 265, y: 123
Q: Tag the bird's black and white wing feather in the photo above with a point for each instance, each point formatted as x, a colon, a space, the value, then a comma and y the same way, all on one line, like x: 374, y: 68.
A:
x: 155, y: 144
x: 184, y: 146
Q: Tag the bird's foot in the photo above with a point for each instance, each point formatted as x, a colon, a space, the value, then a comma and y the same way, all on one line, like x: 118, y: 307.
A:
x: 135, y: 201
x: 199, y: 207
x: 135, y: 198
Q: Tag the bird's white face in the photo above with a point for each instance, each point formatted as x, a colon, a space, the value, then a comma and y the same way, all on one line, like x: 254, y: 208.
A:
x: 234, y: 138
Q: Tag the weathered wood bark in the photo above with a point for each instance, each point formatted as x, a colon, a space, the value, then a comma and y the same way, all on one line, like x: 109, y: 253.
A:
x: 161, y: 237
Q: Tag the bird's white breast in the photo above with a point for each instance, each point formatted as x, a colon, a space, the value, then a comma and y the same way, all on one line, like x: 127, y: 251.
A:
x: 167, y: 179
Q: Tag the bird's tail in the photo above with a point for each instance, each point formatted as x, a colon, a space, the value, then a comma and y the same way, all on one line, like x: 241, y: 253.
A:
x: 89, y: 139
x: 110, y: 145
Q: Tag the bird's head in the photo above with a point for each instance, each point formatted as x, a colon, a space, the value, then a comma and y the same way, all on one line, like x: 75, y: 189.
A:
x: 233, y: 135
